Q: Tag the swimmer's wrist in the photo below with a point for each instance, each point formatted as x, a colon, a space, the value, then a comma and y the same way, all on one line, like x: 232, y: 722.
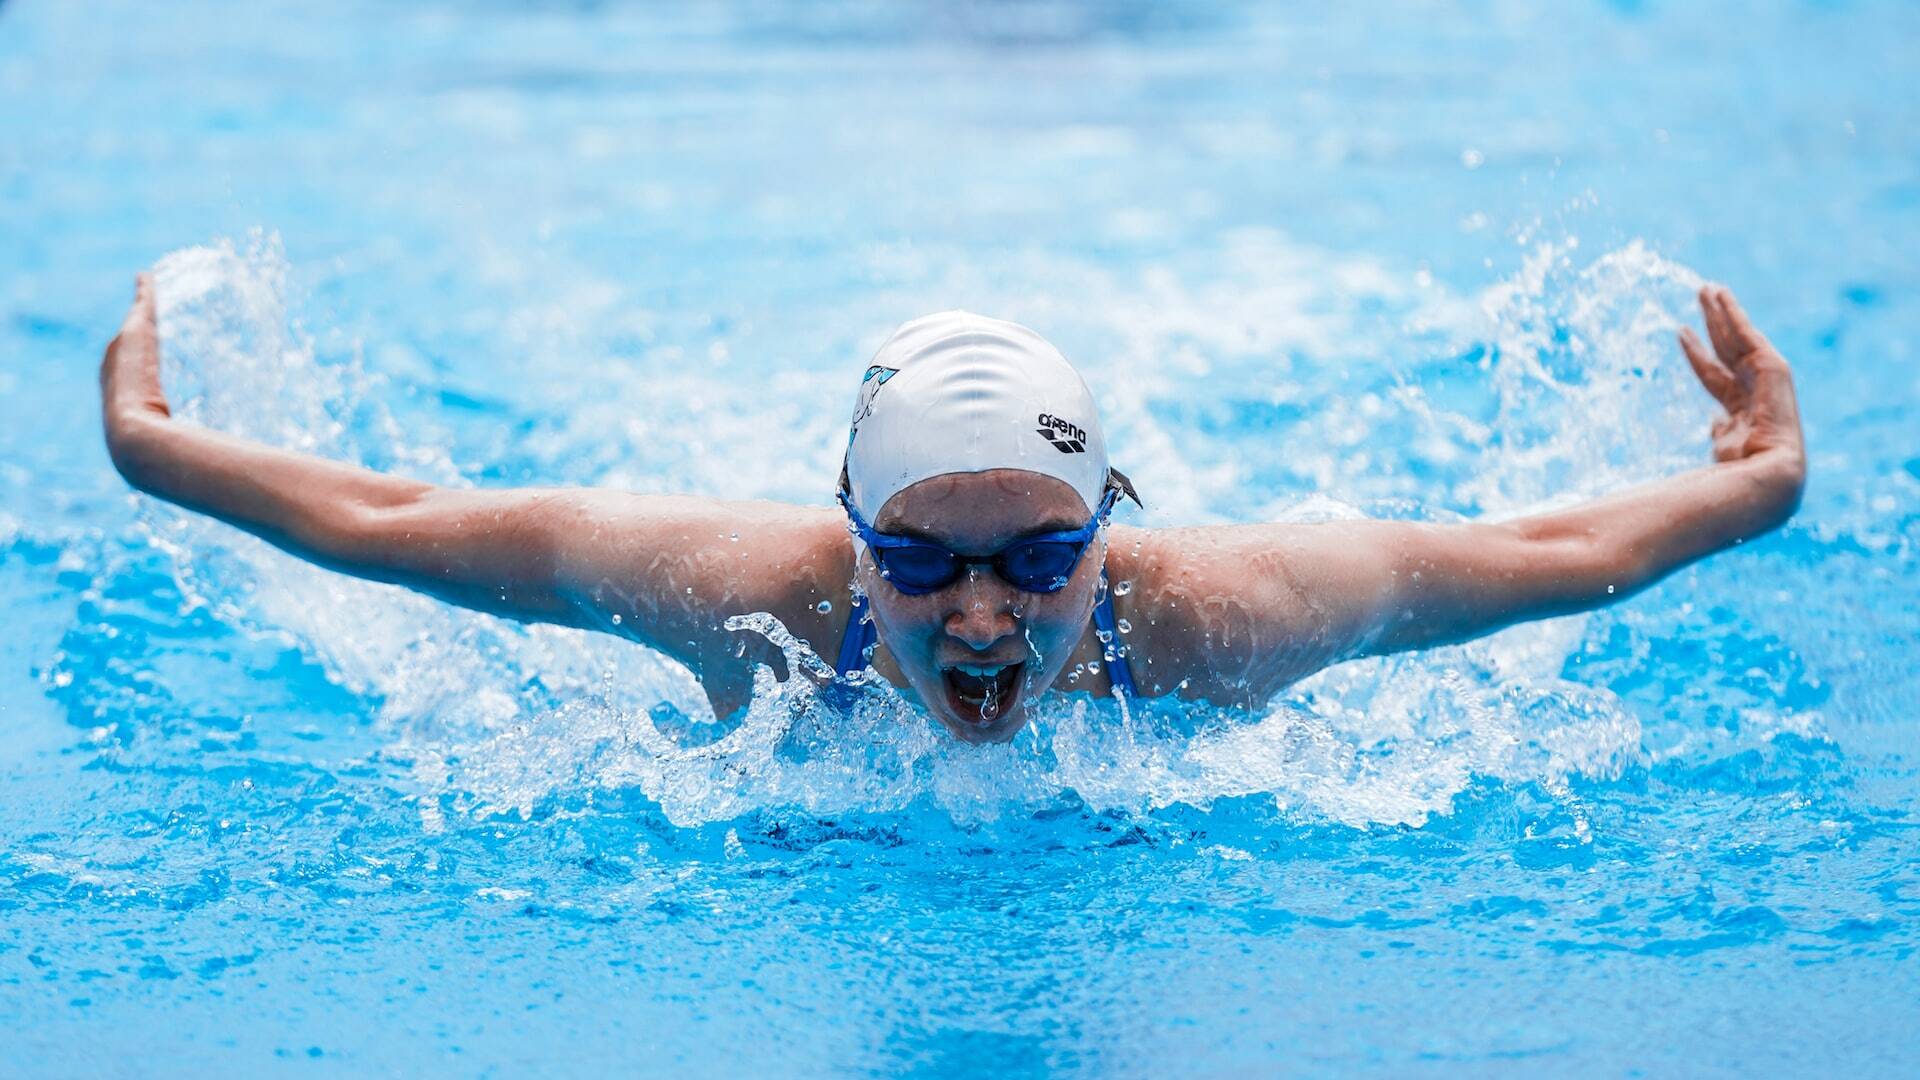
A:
x: 137, y: 441
x: 1779, y: 476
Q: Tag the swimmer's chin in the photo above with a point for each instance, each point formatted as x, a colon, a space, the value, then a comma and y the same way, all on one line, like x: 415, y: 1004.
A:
x: 1003, y: 728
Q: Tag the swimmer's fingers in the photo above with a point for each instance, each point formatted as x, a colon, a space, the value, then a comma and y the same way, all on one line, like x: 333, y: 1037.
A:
x: 1750, y: 377
x: 1735, y: 340
x: 1757, y: 355
x: 130, y: 373
x: 141, y: 313
x: 138, y: 328
x: 1717, y: 329
x: 1712, y: 373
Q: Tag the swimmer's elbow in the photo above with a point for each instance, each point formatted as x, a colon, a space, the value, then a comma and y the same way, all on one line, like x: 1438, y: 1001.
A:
x: 505, y: 544
x: 1572, y: 569
x: 389, y: 530
x: 360, y: 537
x: 392, y: 536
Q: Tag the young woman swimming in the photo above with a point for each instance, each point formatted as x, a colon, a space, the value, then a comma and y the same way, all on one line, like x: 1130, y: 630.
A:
x: 982, y: 571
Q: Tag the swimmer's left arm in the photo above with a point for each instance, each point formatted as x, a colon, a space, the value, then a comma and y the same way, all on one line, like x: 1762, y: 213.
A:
x: 1460, y: 582
x: 1310, y: 595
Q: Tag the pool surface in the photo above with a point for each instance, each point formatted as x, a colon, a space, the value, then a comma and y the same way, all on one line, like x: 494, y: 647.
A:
x: 1414, y: 262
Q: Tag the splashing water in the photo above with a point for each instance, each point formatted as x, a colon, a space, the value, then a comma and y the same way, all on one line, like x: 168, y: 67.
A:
x: 1381, y: 742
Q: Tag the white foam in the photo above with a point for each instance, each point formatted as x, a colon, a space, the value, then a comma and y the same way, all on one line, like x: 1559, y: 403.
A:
x: 1580, y: 390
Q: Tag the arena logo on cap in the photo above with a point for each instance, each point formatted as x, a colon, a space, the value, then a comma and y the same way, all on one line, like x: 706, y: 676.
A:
x: 870, y: 384
x: 1066, y: 437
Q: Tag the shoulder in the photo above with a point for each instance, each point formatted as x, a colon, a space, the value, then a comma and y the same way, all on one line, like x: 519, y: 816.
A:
x: 760, y: 556
x: 708, y: 559
x: 1231, y: 613
x: 670, y: 571
x: 1167, y: 588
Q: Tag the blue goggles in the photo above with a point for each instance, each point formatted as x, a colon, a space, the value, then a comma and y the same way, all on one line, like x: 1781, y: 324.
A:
x: 1038, y: 564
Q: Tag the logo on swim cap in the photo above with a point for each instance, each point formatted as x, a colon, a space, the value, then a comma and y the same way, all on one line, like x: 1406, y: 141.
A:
x: 1066, y: 437
x: 870, y: 384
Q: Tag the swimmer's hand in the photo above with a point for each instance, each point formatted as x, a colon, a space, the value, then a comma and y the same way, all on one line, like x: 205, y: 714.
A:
x: 130, y: 393
x: 1751, y: 380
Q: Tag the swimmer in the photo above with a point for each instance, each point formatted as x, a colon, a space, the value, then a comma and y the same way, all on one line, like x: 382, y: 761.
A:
x: 970, y: 562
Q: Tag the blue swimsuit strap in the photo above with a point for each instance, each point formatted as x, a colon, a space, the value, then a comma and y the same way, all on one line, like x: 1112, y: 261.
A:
x: 1119, y: 672
x: 861, y: 635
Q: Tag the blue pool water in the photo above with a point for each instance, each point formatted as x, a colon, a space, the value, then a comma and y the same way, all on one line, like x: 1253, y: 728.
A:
x: 1411, y: 262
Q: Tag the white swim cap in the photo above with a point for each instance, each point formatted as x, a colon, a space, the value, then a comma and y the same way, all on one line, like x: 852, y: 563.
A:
x: 956, y: 392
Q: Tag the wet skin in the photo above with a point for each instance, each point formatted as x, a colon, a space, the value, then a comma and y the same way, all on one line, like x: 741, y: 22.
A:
x: 981, y: 619
x: 1227, y: 614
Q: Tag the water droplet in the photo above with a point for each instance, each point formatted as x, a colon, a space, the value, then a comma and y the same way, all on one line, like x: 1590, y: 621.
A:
x: 823, y: 606
x: 1093, y: 667
x: 1125, y: 626
x: 734, y: 536
x: 1073, y: 676
x: 1104, y: 635
x: 1609, y: 590
x: 1122, y: 588
x: 616, y: 618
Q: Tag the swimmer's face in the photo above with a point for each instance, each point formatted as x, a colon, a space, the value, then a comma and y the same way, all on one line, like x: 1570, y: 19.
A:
x: 1013, y: 644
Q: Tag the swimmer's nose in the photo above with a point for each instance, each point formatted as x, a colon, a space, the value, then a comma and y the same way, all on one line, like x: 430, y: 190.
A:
x: 984, y: 614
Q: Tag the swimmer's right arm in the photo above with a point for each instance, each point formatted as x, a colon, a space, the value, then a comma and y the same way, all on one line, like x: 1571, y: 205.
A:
x: 461, y: 546
x: 663, y: 570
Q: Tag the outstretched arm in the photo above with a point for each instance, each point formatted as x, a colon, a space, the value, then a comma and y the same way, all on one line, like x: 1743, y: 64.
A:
x: 660, y: 569
x: 1274, y: 603
x: 485, y: 550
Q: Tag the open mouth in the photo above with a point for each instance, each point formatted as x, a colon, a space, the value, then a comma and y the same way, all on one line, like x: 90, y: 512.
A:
x: 982, y: 693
